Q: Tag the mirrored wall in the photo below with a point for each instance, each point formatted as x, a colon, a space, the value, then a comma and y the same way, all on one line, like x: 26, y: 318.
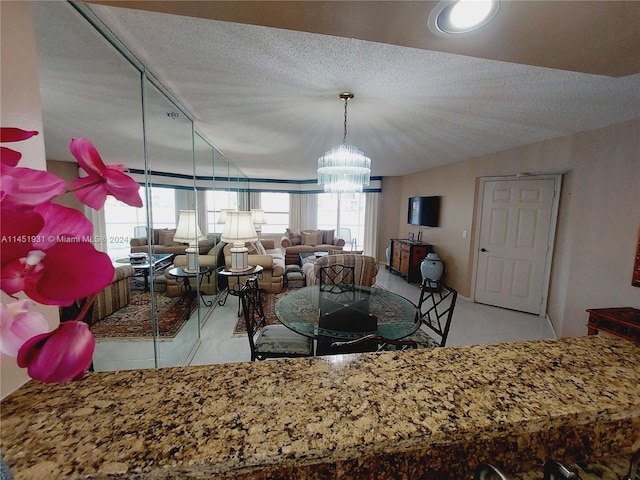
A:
x: 165, y: 252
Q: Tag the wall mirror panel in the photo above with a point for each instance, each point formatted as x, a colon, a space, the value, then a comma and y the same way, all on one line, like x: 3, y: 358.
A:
x: 92, y: 88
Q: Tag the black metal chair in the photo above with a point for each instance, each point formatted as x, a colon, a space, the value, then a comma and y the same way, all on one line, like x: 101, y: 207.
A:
x: 337, y: 278
x: 269, y: 341
x: 435, y: 307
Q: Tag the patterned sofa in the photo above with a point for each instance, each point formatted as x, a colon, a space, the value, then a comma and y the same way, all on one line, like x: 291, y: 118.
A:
x: 366, y: 268
x: 308, y: 241
x: 114, y: 296
x: 162, y: 242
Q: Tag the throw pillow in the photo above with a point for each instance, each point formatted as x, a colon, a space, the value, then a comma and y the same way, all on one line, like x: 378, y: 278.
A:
x: 327, y: 236
x: 294, y: 236
x: 165, y: 238
x: 260, y: 250
x: 311, y: 238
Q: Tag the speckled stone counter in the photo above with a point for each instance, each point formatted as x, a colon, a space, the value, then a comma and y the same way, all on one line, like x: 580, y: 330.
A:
x: 423, y: 414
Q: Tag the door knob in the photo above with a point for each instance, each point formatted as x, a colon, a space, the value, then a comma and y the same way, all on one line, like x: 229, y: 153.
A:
x: 484, y: 250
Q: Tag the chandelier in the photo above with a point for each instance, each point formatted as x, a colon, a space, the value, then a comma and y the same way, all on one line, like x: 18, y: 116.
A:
x: 344, y: 168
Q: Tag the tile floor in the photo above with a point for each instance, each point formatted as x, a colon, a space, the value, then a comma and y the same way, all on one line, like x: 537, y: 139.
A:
x: 472, y: 323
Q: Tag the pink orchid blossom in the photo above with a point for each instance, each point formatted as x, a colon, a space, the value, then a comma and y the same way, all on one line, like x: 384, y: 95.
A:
x: 17, y: 325
x: 61, y: 223
x: 102, y: 179
x: 27, y: 187
x: 60, y: 274
x: 59, y: 356
x: 11, y: 157
x: 18, y: 229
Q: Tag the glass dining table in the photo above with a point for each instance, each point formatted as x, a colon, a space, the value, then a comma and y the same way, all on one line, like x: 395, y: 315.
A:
x: 338, y: 315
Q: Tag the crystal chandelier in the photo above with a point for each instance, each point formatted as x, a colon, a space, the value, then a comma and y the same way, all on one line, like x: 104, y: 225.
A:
x: 344, y: 168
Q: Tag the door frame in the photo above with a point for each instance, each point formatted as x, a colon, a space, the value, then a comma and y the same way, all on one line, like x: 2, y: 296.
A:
x: 477, y: 218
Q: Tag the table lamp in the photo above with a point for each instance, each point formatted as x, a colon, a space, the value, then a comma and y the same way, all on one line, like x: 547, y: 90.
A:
x: 257, y: 217
x: 189, y: 232
x: 223, y: 215
x: 238, y: 229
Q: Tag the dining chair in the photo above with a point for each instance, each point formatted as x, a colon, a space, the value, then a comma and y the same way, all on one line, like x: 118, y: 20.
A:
x: 269, y: 341
x: 435, y: 307
x: 337, y: 278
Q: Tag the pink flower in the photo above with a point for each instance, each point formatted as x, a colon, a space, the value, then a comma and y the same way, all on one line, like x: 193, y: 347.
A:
x: 17, y: 325
x: 60, y: 274
x: 11, y: 157
x: 59, y: 356
x: 102, y: 179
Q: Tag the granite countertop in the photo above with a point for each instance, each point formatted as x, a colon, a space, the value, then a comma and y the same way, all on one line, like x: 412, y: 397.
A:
x: 421, y: 414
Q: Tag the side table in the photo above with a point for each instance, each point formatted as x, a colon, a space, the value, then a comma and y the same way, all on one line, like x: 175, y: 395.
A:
x: 187, y: 290
x: 234, y: 289
x: 622, y: 322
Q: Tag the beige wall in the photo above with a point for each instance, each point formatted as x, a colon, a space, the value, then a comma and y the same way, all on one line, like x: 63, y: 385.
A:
x: 597, y: 226
x: 20, y: 107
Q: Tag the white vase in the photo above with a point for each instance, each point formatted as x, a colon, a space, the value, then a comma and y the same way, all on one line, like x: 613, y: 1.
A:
x: 432, y: 267
x: 388, y: 252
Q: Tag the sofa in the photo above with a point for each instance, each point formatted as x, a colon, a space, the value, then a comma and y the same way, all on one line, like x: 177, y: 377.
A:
x: 162, y: 242
x: 271, y: 258
x: 110, y: 299
x: 293, y: 243
x: 365, y: 271
x: 213, y: 259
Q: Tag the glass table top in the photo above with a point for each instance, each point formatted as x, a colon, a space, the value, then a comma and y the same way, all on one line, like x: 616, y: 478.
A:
x: 347, y: 315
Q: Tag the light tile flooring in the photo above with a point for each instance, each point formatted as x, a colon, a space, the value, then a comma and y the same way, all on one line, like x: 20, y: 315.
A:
x: 472, y: 323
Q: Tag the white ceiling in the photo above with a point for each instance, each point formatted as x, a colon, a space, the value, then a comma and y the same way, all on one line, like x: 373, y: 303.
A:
x: 268, y: 97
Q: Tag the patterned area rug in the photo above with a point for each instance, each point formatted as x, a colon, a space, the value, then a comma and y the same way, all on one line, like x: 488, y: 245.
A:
x: 134, y: 320
x: 268, y: 305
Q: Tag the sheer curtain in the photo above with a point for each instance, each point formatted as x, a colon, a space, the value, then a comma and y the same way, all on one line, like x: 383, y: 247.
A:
x: 255, y: 200
x: 371, y: 225
x: 303, y: 211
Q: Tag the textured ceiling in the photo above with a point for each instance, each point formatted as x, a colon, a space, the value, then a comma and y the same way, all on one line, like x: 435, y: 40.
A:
x: 268, y: 97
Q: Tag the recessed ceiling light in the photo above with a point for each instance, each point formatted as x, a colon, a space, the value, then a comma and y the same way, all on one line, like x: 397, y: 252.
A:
x: 462, y: 16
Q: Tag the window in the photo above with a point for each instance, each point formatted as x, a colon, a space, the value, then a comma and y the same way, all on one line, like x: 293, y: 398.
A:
x: 121, y: 219
x: 216, y: 201
x: 276, y: 212
x: 347, y: 210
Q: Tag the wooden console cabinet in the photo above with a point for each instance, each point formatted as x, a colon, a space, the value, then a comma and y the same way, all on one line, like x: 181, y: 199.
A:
x: 622, y: 322
x: 406, y: 257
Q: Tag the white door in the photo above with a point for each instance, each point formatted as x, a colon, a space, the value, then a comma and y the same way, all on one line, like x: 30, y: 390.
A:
x: 514, y: 251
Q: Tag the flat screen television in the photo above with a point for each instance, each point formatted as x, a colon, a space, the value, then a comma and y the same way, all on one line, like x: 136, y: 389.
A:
x: 424, y: 211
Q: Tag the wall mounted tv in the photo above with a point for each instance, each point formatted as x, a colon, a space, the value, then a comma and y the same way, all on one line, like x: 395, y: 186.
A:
x: 424, y: 211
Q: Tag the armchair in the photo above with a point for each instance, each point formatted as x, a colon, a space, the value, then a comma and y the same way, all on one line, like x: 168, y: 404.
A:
x: 270, y: 258
x: 213, y: 259
x: 365, y: 268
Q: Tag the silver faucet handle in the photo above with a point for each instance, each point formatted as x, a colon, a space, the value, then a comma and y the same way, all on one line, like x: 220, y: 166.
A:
x: 633, y: 466
x: 556, y: 471
x: 486, y: 471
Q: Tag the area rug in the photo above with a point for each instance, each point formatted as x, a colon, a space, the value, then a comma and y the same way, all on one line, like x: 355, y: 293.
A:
x: 134, y: 320
x: 268, y: 305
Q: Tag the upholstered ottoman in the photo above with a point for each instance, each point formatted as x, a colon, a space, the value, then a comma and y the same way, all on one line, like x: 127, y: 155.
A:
x: 294, y: 276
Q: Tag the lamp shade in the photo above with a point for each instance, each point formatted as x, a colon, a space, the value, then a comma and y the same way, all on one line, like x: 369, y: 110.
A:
x: 223, y: 215
x: 238, y: 228
x: 188, y: 230
x: 257, y: 216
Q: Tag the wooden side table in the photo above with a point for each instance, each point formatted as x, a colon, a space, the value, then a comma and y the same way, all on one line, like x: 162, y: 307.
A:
x: 622, y: 322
